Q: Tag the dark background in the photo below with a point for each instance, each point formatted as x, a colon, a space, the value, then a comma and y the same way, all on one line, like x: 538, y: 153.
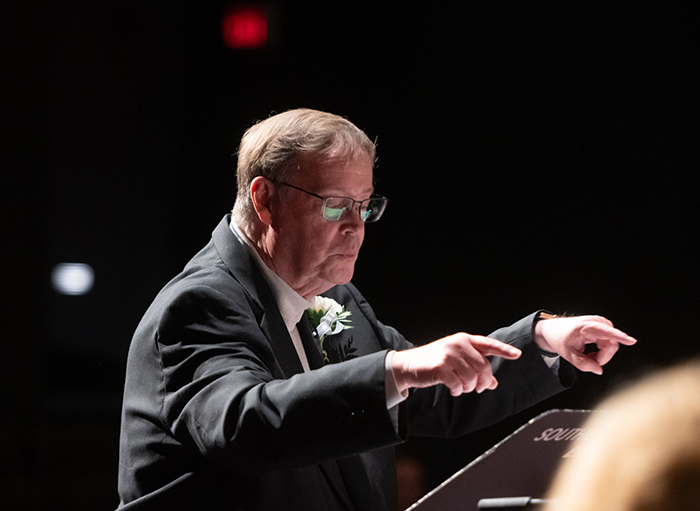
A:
x: 537, y: 155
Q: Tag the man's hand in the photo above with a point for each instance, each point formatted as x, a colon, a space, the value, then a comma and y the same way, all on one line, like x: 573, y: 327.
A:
x: 568, y: 338
x: 459, y: 361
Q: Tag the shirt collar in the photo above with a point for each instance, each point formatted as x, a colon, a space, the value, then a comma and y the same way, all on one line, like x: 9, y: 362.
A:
x: 291, y: 304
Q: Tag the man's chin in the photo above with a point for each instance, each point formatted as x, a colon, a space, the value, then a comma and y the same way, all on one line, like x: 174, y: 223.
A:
x: 342, y: 275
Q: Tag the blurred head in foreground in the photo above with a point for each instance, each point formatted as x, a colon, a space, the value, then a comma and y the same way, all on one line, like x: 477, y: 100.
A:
x: 642, y: 452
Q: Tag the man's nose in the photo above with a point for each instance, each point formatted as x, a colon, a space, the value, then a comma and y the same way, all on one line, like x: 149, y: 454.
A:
x: 353, y: 219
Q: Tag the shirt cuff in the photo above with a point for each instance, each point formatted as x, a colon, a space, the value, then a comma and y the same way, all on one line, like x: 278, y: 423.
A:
x: 393, y: 396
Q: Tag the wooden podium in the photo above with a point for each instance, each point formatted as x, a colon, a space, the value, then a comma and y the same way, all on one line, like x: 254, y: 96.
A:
x: 515, y: 470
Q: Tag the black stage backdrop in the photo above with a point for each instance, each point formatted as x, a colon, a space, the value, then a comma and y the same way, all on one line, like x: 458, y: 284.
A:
x: 537, y: 155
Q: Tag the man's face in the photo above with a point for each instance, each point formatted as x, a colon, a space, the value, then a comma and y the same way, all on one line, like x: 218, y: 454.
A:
x: 313, y: 254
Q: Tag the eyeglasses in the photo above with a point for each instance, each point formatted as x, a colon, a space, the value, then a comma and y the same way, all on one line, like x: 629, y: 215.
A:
x: 335, y: 209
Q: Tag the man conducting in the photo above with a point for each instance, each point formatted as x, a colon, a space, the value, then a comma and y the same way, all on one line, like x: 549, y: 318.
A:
x: 247, y: 390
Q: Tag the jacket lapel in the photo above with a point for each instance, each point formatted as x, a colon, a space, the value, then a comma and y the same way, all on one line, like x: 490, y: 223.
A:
x: 239, y: 262
x: 241, y: 265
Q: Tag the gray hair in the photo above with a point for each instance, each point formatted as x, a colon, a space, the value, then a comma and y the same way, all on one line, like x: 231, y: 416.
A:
x: 271, y: 147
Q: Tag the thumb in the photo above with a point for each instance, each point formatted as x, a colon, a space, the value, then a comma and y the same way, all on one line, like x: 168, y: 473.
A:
x: 586, y: 363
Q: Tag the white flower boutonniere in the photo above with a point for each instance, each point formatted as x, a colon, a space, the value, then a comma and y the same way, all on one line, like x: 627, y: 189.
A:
x: 328, y: 317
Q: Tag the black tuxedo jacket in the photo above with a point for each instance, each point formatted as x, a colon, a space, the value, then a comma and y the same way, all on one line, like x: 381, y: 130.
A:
x: 219, y: 415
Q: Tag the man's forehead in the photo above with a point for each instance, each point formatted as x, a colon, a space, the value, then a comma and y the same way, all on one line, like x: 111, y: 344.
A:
x: 337, y: 176
x: 317, y: 165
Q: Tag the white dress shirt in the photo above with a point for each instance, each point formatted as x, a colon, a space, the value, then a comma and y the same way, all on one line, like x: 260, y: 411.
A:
x: 292, y: 307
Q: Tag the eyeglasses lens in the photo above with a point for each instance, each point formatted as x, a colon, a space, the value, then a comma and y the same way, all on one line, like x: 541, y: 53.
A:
x: 334, y: 208
x: 374, y: 209
x: 337, y: 208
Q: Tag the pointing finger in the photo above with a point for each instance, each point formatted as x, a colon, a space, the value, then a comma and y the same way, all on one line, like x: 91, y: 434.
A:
x: 600, y: 330
x: 492, y: 347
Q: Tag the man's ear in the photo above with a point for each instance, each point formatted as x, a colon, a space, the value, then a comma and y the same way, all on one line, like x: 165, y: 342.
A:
x: 261, y: 192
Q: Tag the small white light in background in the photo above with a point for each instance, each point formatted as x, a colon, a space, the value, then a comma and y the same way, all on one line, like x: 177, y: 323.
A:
x: 73, y: 278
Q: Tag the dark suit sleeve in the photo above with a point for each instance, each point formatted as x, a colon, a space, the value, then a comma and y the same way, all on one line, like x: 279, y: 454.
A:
x: 433, y: 412
x: 200, y: 374
x: 522, y: 383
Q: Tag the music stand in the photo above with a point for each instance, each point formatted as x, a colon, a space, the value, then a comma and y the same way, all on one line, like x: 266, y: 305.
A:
x: 522, y: 465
